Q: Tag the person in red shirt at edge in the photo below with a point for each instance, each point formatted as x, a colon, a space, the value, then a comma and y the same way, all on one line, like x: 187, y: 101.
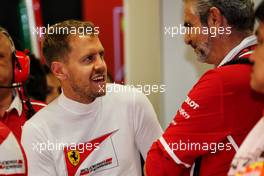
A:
x: 248, y: 161
x: 221, y: 108
x: 15, y: 107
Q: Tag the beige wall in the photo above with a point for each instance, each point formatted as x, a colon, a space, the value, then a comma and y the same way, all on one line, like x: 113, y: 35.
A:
x: 142, y: 45
x: 154, y: 58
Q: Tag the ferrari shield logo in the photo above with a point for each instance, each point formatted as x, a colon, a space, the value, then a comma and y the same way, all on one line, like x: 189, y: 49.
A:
x: 74, y: 157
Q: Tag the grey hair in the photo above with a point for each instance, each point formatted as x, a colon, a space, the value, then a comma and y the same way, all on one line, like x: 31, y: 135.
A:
x: 239, y: 13
x: 4, y: 31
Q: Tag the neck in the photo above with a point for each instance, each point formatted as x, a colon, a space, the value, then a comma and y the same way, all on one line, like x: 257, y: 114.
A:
x: 227, y: 43
x: 71, y: 94
x: 5, y: 100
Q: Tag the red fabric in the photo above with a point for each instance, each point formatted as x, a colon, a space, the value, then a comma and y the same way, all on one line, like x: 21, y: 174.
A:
x: 111, y: 32
x: 11, y: 121
x: 220, y: 104
x: 4, y: 132
x: 14, y: 122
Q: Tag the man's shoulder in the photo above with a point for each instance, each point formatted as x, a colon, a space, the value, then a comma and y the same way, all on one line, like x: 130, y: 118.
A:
x: 124, y: 94
x: 234, y: 68
x: 121, y: 91
x: 236, y: 72
x: 45, y: 113
x: 229, y: 77
x: 37, y: 105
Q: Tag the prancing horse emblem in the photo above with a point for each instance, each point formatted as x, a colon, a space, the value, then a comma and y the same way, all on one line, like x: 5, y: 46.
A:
x: 74, y: 157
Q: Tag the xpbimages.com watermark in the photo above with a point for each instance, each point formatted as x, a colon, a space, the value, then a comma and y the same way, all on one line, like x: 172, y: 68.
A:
x: 60, y: 146
x: 173, y: 31
x: 60, y: 30
x: 212, y: 147
x: 147, y: 89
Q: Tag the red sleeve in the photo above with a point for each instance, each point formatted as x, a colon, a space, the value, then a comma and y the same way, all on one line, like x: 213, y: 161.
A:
x: 159, y: 163
x: 197, y: 126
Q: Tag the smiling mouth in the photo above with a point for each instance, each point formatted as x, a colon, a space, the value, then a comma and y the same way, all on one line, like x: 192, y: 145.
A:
x: 99, y: 78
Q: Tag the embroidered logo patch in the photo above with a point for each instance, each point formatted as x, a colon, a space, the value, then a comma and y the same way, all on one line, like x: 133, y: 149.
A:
x: 74, y: 157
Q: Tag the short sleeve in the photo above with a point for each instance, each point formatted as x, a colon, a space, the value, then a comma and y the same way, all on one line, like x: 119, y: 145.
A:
x: 197, y: 129
x: 147, y: 127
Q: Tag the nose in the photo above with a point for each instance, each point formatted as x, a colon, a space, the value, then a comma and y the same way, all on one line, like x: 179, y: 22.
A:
x: 99, y: 63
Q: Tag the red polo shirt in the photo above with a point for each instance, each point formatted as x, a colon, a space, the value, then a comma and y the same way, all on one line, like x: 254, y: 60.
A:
x: 216, y: 116
x: 12, y: 158
x: 15, y: 116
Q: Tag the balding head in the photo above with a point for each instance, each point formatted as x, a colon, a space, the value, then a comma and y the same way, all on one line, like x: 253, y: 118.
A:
x: 6, y: 34
x: 6, y: 50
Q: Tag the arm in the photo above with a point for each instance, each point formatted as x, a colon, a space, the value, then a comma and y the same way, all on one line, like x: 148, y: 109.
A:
x: 38, y: 156
x: 146, y: 125
x: 197, y: 123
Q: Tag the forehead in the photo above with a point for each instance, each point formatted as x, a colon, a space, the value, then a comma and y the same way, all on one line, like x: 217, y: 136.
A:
x: 190, y: 13
x: 189, y: 6
x: 86, y: 42
x: 5, y: 44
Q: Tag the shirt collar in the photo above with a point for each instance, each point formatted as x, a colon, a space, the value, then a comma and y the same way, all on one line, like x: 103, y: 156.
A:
x: 16, y: 104
x: 251, y: 40
x: 77, y: 107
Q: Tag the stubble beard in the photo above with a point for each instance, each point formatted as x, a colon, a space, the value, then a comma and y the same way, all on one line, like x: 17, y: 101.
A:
x: 204, y: 50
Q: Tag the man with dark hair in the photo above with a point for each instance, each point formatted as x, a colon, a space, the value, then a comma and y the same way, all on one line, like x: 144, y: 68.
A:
x: 221, y: 108
x: 249, y: 158
x: 14, y: 109
x: 92, y: 128
x: 36, y: 85
x: 53, y: 86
